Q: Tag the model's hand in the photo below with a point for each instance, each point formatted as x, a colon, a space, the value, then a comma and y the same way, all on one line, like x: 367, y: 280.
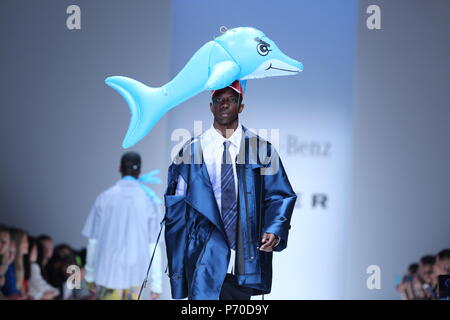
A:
x: 155, y: 296
x: 268, y: 242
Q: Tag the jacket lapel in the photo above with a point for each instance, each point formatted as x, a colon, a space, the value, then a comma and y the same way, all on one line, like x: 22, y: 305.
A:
x: 200, y: 194
x: 250, y: 150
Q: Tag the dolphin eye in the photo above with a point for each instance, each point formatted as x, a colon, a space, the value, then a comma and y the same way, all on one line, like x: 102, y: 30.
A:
x: 262, y: 49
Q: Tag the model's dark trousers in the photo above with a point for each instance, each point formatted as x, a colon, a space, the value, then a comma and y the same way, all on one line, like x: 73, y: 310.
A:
x: 232, y: 291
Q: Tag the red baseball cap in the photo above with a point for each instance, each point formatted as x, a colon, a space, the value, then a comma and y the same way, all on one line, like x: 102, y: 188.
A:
x: 236, y: 86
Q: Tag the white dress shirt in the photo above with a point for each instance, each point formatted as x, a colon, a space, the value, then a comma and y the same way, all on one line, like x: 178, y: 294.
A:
x: 122, y: 228
x: 212, y: 146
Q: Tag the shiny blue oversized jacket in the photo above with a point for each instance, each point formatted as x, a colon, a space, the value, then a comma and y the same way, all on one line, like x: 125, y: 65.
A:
x: 197, y: 250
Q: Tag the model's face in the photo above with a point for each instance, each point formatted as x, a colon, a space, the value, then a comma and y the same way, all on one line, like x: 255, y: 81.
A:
x: 4, y: 242
x: 226, y: 106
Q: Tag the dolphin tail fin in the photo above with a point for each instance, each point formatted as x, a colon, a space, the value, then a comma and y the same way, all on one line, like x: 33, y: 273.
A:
x: 146, y: 106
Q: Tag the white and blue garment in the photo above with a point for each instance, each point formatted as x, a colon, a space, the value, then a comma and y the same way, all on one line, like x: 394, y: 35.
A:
x: 122, y: 229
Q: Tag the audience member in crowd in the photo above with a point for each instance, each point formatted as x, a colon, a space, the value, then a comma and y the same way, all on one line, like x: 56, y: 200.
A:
x: 9, y: 288
x: 47, y: 244
x: 422, y: 280
x: 424, y: 283
x: 20, y: 237
x: 84, y: 292
x: 4, y: 255
x: 405, y: 287
x: 442, y: 266
x: 63, y: 257
x: 38, y: 288
x: 4, y: 242
x: 15, y: 283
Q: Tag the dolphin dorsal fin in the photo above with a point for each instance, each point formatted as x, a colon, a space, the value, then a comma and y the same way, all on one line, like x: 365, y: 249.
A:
x: 222, y: 74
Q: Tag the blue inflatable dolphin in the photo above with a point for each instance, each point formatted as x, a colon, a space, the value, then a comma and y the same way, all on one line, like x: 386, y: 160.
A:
x: 239, y: 54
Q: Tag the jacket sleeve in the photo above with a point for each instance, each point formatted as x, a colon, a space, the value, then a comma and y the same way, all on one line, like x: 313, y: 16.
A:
x: 175, y: 235
x: 278, y: 200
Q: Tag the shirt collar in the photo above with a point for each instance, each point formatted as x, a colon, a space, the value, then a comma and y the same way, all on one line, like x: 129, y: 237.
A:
x: 214, y: 136
x: 129, y: 178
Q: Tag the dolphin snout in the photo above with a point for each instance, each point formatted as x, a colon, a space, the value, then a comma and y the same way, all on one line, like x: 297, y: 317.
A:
x: 299, y: 66
x: 283, y: 67
x: 296, y: 65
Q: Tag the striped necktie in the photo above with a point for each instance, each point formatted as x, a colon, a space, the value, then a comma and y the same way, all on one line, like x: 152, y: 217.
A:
x: 229, y: 201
